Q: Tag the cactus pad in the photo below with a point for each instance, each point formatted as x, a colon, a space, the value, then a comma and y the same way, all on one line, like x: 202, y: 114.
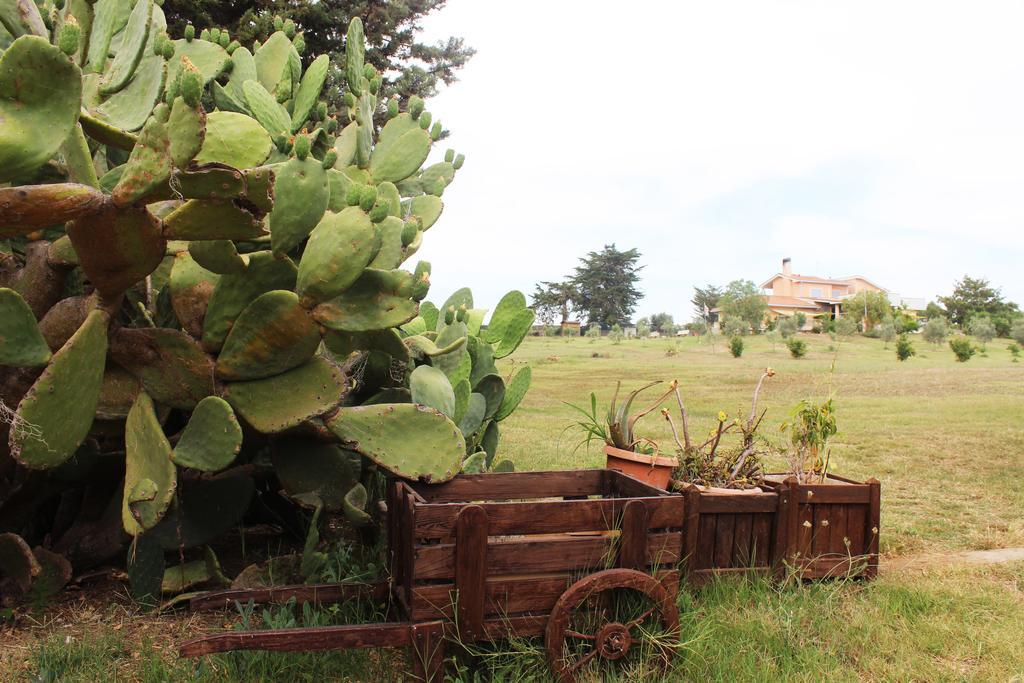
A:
x: 427, y: 208
x: 301, y: 193
x: 131, y: 50
x: 149, y: 165
x: 150, y: 477
x: 17, y: 561
x: 493, y: 390
x: 340, y: 246
x: 218, y: 256
x: 26, y: 208
x: 212, y: 437
x: 205, y: 511
x: 430, y: 387
x: 448, y: 337
x: 309, y: 90
x: 514, y: 332
x: 213, y: 219
x: 171, y: 365
x: 271, y: 115
x: 272, y: 335
x: 191, y: 287
x: 210, y: 58
x: 117, y: 247
x: 471, y: 420
x: 507, y: 308
x: 271, y: 60
x: 396, y: 159
x: 475, y: 464
x: 343, y: 344
x: 234, y: 139
x: 311, y: 390
x: 514, y: 393
x: 355, y: 506
x: 21, y: 342
x: 378, y: 299
x: 55, y: 415
x: 312, y: 470
x: 186, y: 129
x: 408, y: 440
x: 234, y: 292
x: 40, y: 94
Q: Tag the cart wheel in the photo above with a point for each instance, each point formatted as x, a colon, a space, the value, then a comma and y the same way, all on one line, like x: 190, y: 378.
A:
x: 605, y: 615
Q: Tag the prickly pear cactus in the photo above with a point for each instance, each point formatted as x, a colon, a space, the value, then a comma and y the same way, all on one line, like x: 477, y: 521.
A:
x: 201, y: 265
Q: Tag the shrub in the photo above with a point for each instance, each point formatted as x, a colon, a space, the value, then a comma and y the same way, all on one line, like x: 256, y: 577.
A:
x: 735, y: 327
x: 935, y: 331
x: 787, y: 328
x: 643, y: 328
x: 905, y: 322
x: 1018, y: 331
x: 736, y: 347
x: 904, y: 347
x: 845, y: 326
x: 887, y: 331
x: 593, y: 332
x: 800, y: 319
x: 616, y: 334
x: 983, y: 329
x: 797, y: 347
x: 963, y: 349
x: 1014, y: 350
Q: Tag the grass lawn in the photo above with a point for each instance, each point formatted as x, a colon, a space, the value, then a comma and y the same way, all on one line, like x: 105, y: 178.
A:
x: 946, y: 440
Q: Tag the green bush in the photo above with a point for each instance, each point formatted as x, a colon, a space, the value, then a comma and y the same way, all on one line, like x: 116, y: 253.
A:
x: 735, y: 327
x: 736, y: 347
x: 935, y: 331
x: 845, y: 326
x: 787, y: 327
x: 962, y: 348
x: 1014, y: 350
x: 1018, y: 331
x: 797, y: 347
x: 904, y: 347
x: 616, y: 334
x: 981, y: 327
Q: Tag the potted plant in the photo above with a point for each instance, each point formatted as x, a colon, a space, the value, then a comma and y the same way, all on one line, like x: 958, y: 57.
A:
x: 709, y: 465
x: 638, y: 457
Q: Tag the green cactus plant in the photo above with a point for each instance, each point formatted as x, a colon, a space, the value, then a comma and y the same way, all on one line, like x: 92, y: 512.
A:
x: 202, y: 265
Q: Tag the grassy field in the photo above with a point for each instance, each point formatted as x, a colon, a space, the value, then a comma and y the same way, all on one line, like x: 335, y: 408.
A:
x: 946, y: 440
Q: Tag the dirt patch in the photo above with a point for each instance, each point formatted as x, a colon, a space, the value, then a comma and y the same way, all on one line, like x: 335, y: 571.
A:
x: 931, y: 560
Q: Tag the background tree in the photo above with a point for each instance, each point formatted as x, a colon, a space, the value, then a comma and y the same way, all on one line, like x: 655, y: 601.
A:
x: 935, y: 331
x: 786, y: 327
x: 982, y: 328
x: 887, y: 331
x: 933, y: 310
x: 846, y: 326
x: 606, y: 285
x: 704, y: 299
x: 743, y: 299
x: 870, y: 308
x: 975, y: 296
x: 1018, y: 331
x: 801, y: 319
x: 660, y: 321
x: 553, y: 300
x: 735, y: 327
x: 643, y: 328
x: 408, y: 67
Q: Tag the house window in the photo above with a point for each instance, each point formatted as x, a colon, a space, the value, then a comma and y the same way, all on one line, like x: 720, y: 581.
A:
x: 816, y: 292
x: 837, y: 293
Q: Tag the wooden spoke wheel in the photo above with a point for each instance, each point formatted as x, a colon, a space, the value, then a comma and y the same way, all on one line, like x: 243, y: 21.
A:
x: 605, y: 616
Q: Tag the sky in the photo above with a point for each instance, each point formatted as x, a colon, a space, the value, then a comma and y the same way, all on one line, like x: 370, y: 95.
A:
x: 883, y: 139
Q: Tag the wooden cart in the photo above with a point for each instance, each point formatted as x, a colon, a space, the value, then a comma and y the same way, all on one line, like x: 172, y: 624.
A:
x: 587, y: 559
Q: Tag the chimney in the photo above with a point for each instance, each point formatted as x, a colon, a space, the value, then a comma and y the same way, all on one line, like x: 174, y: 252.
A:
x: 787, y: 266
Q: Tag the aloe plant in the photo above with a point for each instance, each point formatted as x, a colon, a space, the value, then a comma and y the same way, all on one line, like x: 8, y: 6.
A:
x: 201, y: 265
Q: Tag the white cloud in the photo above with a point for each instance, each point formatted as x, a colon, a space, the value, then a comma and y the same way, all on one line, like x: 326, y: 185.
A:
x: 583, y: 125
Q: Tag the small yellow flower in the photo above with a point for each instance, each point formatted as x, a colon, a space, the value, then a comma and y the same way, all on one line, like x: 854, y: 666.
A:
x: 722, y: 416
x: 769, y: 372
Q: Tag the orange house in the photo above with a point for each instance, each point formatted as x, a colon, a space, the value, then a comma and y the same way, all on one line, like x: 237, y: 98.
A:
x: 790, y: 293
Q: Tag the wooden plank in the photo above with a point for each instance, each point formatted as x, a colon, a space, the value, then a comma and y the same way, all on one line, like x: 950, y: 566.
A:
x: 314, y: 593
x: 508, y: 595
x: 872, y: 528
x: 514, y: 485
x: 691, y: 527
x: 856, y: 523
x: 471, y: 569
x: 317, y: 639
x: 705, y: 555
x: 624, y: 486
x: 805, y: 531
x: 819, y: 530
x: 521, y: 626
x: 761, y: 539
x: 834, y: 493
x: 792, y: 549
x: 837, y: 530
x: 780, y: 532
x: 428, y: 652
x: 633, y: 538
x: 545, y: 554
x: 407, y: 540
x: 833, y: 567
x: 542, y: 517
x: 724, y: 534
x: 700, y: 577
x: 843, y: 479
x: 742, y: 542
x: 737, y: 503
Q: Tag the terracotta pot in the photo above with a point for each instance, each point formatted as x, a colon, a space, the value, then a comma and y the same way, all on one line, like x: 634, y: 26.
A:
x: 653, y: 469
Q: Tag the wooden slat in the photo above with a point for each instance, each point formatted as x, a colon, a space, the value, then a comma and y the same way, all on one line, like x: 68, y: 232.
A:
x: 545, y: 554
x: 737, y: 503
x: 705, y: 556
x: 509, y: 595
x: 406, y: 537
x: 318, y: 639
x: 833, y: 567
x: 514, y: 485
x: 623, y: 485
x: 742, y: 541
x: 428, y: 652
x: 856, y: 522
x: 872, y: 528
x: 787, y: 527
x: 724, y: 540
x: 521, y: 626
x: 691, y: 527
x: 805, y: 532
x: 633, y: 537
x: 471, y: 569
x: 541, y: 517
x: 819, y: 530
x: 761, y: 544
x: 834, y: 493
x: 837, y: 529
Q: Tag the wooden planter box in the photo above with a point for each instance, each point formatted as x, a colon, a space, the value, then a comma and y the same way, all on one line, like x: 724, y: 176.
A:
x: 820, y: 530
x: 494, y: 552
x: 830, y: 529
x: 728, y: 534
